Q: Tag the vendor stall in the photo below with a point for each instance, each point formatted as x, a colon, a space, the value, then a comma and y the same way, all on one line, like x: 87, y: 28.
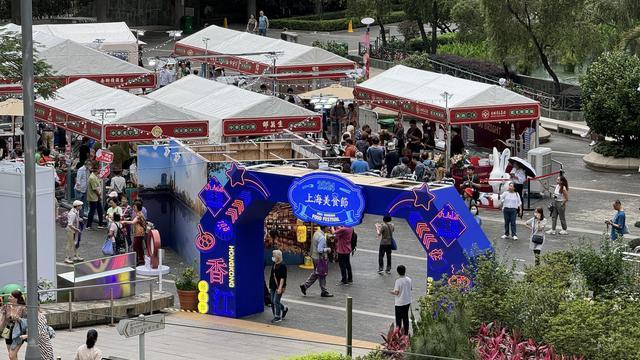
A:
x: 292, y: 61
x: 234, y: 112
x: 135, y: 118
x: 71, y: 61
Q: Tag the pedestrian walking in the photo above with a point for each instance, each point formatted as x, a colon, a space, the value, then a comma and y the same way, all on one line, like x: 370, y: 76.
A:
x: 14, y: 312
x: 118, y: 182
x: 537, y: 224
x: 343, y: 237
x: 385, y: 233
x: 139, y: 223
x: 618, y: 223
x: 89, y: 351
x: 252, y: 24
x: 277, y: 286
x: 319, y: 254
x: 74, y: 231
x: 263, y: 24
x: 511, y: 207
x: 402, y: 292
x: 559, y: 205
x: 45, y: 333
x: 80, y: 187
x: 94, y: 196
x: 116, y: 235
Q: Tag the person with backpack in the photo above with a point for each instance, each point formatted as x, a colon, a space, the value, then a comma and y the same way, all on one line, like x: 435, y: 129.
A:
x: 343, y: 236
x: 139, y: 223
x: 74, y: 231
x: 385, y: 233
x: 117, y: 235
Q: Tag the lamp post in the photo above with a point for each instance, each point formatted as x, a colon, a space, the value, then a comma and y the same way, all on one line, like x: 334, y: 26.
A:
x: 138, y: 34
x: 31, y: 236
x: 367, y: 43
x: 102, y: 114
x: 273, y: 56
x: 205, y: 40
x: 447, y: 160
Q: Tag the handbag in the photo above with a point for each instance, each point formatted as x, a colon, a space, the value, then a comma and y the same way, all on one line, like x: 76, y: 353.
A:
x: 551, y: 206
x: 394, y: 245
x: 537, y: 239
x: 322, y: 267
x: 107, y: 247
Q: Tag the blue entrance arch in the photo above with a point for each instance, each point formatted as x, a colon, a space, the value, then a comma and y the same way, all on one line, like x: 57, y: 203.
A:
x: 231, y: 232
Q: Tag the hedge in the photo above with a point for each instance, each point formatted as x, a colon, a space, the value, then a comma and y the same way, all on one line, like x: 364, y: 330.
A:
x: 312, y: 22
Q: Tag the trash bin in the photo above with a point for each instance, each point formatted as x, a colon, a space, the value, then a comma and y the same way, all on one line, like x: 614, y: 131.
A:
x: 186, y: 24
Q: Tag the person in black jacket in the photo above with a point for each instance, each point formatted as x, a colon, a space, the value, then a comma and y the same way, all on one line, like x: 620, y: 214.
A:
x: 277, y: 286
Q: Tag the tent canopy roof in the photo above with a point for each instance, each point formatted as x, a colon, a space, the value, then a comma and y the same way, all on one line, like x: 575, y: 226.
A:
x: 342, y: 92
x: 226, y: 41
x: 426, y: 87
x: 86, y: 33
x: 11, y: 107
x: 81, y: 96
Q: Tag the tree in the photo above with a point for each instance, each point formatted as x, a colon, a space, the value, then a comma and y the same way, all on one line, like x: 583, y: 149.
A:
x: 469, y: 17
x: 610, y: 97
x: 11, y: 66
x: 542, y: 29
x: 437, y: 12
x: 377, y: 9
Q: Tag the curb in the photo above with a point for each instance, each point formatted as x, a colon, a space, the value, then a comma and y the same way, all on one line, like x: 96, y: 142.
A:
x: 608, y: 163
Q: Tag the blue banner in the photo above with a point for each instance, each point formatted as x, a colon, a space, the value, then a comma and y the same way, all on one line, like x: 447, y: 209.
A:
x: 326, y: 199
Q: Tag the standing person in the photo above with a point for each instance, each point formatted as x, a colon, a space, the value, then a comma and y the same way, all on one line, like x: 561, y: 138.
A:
x: 476, y: 215
x: 263, y: 24
x: 359, y: 165
x: 83, y: 152
x: 44, y: 337
x: 318, y: 252
x: 127, y: 213
x: 114, y: 209
x: 350, y: 150
x: 118, y: 182
x: 392, y: 158
x: 252, y: 24
x: 560, y: 199
x: 401, y: 169
x: 414, y: 137
x: 343, y: 236
x: 518, y: 176
x: 472, y: 181
x: 139, y: 223
x: 14, y: 311
x: 165, y: 77
x: 385, y: 233
x: 94, y: 196
x: 398, y: 132
x: 337, y: 117
x: 511, y: 207
x: 352, y: 115
x: 618, y: 223
x: 115, y: 234
x: 277, y: 286
x: 537, y: 224
x: 375, y: 155
x: 402, y: 292
x: 89, y: 351
x: 457, y: 144
x: 363, y: 143
x: 73, y: 232
x: 80, y: 186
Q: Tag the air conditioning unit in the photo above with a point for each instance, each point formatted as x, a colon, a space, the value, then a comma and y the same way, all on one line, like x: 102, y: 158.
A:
x: 540, y: 159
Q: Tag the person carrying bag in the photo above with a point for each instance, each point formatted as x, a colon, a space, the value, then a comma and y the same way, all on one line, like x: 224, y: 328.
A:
x: 537, y: 225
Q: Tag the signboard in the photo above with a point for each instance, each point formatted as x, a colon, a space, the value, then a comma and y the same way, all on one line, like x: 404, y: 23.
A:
x: 495, y: 113
x: 265, y: 126
x: 104, y: 171
x: 326, y: 199
x: 104, y: 156
x: 138, y: 326
x: 133, y: 132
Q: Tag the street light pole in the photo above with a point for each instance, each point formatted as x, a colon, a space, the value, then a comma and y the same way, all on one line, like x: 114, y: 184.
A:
x: 206, y: 60
x: 33, y: 351
x: 447, y: 159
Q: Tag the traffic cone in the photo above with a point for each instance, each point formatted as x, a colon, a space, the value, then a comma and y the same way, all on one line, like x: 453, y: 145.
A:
x: 350, y: 28
x: 225, y: 23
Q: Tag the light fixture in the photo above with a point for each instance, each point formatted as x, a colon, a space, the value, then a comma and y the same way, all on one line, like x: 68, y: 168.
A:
x: 152, y: 62
x: 167, y: 151
x: 367, y: 21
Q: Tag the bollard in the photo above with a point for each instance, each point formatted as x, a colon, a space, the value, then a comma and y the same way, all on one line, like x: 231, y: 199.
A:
x: 111, y: 305
x: 349, y: 329
x: 141, y: 341
x: 70, y: 314
x: 160, y: 255
x: 150, y: 297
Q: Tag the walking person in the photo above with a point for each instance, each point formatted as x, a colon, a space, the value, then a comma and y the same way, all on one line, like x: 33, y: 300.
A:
x: 319, y: 254
x: 343, y: 237
x: 511, y: 207
x: 277, y: 286
x: 252, y: 24
x: 559, y: 205
x: 94, y: 196
x: 537, y: 224
x: 402, y: 292
x: 14, y: 312
x: 139, y: 223
x: 44, y: 337
x: 74, y: 230
x: 89, y: 351
x: 263, y: 24
x: 80, y: 187
x: 385, y: 232
x: 618, y: 223
x: 116, y: 235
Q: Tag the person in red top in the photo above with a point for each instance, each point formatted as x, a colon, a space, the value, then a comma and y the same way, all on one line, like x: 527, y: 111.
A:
x: 46, y: 158
x: 343, y: 236
x: 350, y: 150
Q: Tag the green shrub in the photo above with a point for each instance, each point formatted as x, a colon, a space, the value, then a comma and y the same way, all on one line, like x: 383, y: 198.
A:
x: 314, y: 23
x: 418, y: 61
x: 338, y: 48
x: 608, y: 148
x: 604, y: 270
x: 324, y: 16
x: 468, y: 50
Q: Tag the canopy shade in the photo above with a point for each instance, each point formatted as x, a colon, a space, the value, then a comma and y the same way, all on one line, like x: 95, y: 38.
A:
x: 420, y: 93
x: 292, y: 60
x: 70, y: 61
x: 135, y: 118
x: 232, y: 111
x: 337, y: 90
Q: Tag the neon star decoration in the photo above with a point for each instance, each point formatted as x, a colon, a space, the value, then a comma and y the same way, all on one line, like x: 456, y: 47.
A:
x: 423, y: 197
x: 236, y: 175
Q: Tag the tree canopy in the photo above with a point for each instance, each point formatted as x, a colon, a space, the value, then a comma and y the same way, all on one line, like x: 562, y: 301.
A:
x: 376, y: 9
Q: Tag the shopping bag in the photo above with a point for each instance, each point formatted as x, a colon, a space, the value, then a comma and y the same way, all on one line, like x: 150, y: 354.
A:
x: 107, y: 247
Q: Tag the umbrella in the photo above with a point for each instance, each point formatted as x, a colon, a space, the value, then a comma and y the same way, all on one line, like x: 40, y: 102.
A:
x: 524, y: 164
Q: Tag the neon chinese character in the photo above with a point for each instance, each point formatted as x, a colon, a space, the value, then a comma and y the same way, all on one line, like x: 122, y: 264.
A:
x: 326, y: 200
x: 318, y: 199
x: 217, y: 270
x: 280, y: 123
x: 344, y: 202
x: 309, y: 198
x: 265, y: 124
x: 273, y: 124
x: 335, y: 201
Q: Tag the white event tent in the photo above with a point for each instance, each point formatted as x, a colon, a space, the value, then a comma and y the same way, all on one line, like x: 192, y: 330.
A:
x: 233, y: 112
x: 135, y: 118
x: 293, y: 62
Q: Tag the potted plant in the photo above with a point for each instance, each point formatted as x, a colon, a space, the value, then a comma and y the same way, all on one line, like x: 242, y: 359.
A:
x: 188, y: 288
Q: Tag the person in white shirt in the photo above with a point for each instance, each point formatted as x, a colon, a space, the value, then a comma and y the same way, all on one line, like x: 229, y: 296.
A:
x: 518, y: 176
x: 89, y: 351
x: 402, y: 292
x: 165, y: 77
x: 118, y: 182
x: 73, y: 231
x: 511, y: 207
x: 80, y: 186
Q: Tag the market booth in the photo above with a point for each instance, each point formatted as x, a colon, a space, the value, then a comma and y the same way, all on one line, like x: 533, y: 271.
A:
x: 488, y: 115
x: 293, y: 62
x: 71, y: 61
x: 234, y: 112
